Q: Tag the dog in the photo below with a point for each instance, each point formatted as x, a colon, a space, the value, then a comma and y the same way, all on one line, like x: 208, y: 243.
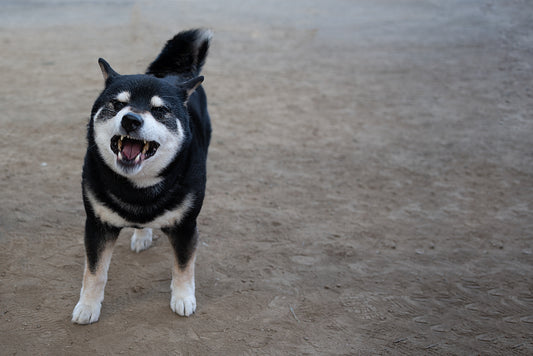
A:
x: 145, y: 167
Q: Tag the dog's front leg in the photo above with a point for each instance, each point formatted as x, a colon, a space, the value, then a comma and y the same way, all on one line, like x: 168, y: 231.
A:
x: 183, y: 239
x: 99, y: 243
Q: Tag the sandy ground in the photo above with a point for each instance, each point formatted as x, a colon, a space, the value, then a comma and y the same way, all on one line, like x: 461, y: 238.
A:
x: 370, y: 179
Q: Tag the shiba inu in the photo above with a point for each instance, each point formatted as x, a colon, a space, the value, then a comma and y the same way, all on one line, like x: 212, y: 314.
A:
x: 145, y: 167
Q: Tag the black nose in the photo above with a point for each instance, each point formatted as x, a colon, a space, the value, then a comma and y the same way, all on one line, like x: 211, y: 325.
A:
x: 131, y: 122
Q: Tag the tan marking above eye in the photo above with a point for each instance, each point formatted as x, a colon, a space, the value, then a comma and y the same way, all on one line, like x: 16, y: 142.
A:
x: 156, y: 101
x: 123, y: 97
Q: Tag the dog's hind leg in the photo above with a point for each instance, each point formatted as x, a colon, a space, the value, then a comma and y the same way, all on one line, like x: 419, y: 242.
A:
x: 141, y: 239
x: 99, y: 244
x: 184, y: 240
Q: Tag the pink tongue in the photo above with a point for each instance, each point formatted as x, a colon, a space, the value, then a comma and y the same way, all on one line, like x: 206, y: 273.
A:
x: 131, y: 149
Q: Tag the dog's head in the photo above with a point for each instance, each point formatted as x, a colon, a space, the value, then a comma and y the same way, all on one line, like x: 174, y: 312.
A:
x: 140, y: 123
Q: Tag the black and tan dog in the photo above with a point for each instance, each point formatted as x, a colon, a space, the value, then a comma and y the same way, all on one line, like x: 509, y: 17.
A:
x: 145, y: 167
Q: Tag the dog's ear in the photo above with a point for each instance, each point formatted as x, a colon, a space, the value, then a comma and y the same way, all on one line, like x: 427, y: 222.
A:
x: 107, y: 71
x: 191, y: 85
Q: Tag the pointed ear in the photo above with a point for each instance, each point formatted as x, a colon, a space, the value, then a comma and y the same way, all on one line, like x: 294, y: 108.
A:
x: 107, y: 71
x: 191, y: 85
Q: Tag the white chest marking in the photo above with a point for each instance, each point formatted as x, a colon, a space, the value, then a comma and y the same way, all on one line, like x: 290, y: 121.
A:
x: 168, y: 218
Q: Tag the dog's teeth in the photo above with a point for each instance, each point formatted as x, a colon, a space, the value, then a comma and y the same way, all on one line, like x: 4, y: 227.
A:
x: 146, y: 147
x: 138, y: 158
x: 120, y: 156
x: 119, y: 144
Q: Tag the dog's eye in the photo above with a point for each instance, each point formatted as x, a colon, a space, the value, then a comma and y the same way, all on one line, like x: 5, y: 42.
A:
x: 117, y: 105
x: 160, y: 110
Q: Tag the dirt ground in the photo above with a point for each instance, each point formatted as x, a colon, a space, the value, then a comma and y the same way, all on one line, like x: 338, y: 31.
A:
x: 370, y: 179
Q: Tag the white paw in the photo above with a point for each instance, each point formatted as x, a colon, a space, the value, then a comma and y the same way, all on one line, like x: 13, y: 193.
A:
x: 183, y: 305
x: 86, y: 313
x: 141, y: 240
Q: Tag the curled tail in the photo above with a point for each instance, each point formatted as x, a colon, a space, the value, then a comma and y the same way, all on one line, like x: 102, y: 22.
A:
x: 183, y: 55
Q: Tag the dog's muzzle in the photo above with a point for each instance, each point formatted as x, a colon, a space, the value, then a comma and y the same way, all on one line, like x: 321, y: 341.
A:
x: 132, y: 151
x: 131, y: 122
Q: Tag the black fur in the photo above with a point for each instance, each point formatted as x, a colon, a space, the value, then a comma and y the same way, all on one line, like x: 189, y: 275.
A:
x: 181, y: 59
x: 182, y: 55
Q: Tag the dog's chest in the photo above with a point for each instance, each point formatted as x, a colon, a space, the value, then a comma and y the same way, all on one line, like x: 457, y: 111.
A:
x: 164, y: 217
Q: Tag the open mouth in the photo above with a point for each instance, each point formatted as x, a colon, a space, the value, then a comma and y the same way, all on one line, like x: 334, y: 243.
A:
x: 131, y: 151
